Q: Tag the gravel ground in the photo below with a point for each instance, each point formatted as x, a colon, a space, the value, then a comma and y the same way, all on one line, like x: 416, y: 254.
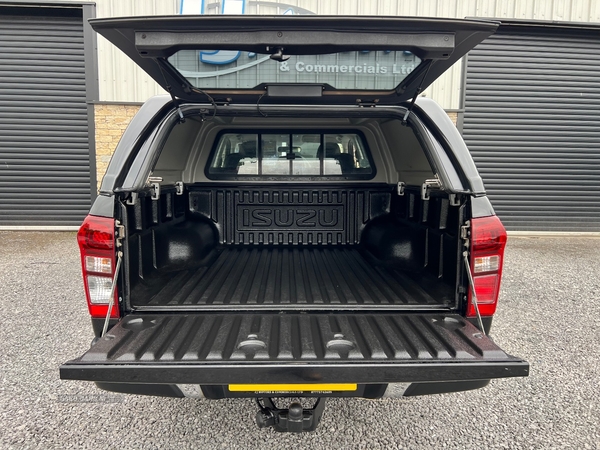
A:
x: 549, y: 314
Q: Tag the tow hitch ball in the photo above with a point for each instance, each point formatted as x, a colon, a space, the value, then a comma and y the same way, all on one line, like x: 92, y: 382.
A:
x: 295, y: 418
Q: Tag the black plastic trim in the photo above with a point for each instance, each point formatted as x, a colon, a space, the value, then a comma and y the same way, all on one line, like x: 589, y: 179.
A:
x: 487, y: 323
x: 481, y: 207
x: 143, y: 123
x: 98, y: 325
x: 435, y: 119
x: 196, y: 373
x: 159, y: 390
x: 444, y: 388
x: 218, y: 392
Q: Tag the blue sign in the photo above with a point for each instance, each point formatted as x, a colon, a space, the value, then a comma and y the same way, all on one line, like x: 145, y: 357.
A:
x: 238, y: 7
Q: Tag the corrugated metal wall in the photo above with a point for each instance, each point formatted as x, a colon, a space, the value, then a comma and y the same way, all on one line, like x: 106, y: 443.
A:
x: 121, y: 81
x: 44, y: 141
x: 532, y: 124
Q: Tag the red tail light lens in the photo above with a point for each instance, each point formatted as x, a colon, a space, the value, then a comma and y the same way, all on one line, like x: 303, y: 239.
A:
x: 488, y: 239
x: 96, y: 239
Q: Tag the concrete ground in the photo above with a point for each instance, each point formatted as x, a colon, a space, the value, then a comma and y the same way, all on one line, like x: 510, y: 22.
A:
x: 549, y: 314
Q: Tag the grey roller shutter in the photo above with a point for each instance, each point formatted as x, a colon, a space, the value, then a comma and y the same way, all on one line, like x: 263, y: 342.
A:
x: 44, y: 142
x: 532, y: 124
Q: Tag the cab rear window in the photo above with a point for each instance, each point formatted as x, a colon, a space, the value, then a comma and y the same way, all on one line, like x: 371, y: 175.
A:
x: 272, y: 154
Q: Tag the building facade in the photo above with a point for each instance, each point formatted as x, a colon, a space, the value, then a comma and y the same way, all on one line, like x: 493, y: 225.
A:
x: 111, y: 89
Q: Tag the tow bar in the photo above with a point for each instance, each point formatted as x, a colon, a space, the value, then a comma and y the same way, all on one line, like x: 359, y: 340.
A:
x: 294, y: 419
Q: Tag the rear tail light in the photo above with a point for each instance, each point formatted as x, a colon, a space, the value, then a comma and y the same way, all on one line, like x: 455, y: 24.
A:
x: 488, y: 239
x: 96, y: 239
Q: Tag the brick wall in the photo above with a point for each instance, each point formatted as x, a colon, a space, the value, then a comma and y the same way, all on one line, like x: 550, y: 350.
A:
x: 111, y: 121
x: 453, y: 117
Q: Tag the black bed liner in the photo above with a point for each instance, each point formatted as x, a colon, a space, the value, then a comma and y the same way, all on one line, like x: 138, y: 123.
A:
x: 293, y: 348
x: 328, y: 277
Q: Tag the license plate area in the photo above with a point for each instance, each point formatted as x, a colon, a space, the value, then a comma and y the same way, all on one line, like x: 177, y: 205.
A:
x: 300, y: 389
x: 296, y: 390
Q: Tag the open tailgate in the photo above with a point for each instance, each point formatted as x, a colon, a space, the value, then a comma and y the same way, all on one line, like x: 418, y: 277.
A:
x: 292, y: 348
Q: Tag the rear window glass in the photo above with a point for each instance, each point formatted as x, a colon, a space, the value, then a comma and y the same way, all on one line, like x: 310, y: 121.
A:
x: 229, y: 69
x: 290, y: 154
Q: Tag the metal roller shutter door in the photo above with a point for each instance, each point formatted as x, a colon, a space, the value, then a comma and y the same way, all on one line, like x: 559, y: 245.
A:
x: 44, y: 146
x: 532, y: 124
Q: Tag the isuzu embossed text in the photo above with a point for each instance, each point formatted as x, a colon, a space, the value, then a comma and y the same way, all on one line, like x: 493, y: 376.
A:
x: 294, y: 222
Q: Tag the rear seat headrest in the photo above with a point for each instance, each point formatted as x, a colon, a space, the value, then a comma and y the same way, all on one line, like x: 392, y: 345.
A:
x: 248, y: 149
x: 331, y: 150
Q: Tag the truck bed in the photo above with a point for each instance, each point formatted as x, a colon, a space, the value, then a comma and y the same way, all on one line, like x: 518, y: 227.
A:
x: 265, y: 277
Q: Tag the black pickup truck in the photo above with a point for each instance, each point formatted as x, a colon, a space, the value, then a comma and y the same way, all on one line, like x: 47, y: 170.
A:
x: 321, y: 232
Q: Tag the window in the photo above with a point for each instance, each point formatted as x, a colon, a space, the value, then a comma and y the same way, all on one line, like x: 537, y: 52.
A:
x: 351, y: 70
x: 290, y: 154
